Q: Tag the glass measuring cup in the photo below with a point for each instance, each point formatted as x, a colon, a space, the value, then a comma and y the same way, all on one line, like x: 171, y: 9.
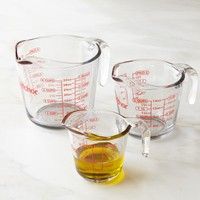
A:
x: 151, y: 90
x: 98, y: 140
x: 58, y: 74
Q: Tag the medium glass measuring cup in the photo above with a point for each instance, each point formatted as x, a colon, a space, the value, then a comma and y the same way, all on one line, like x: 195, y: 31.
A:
x: 58, y: 74
x: 98, y: 140
x: 151, y: 90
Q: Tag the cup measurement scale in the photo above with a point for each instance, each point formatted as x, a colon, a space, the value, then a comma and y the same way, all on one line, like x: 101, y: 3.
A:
x: 59, y: 95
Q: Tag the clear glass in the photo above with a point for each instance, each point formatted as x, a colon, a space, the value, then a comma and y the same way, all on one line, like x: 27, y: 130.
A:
x: 58, y: 74
x: 98, y: 140
x: 151, y: 90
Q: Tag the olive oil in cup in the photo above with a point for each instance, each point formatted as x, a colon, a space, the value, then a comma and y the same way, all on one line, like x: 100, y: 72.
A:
x: 98, y: 140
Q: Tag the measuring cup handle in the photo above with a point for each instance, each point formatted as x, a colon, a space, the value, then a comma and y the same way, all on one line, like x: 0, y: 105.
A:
x: 145, y: 136
x: 104, y: 61
x: 193, y: 76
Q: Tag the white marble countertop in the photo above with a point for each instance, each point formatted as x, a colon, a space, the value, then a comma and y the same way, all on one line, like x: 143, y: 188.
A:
x: 36, y: 163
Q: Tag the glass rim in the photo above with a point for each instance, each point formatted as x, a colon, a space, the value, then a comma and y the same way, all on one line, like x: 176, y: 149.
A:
x: 95, y: 137
x: 75, y: 64
x: 153, y: 87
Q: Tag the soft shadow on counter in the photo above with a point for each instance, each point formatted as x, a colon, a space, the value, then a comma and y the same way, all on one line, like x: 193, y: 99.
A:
x: 134, y: 175
x: 128, y: 175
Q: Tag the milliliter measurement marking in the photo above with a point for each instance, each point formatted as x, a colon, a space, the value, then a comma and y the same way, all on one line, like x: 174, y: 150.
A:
x: 163, y: 109
x: 63, y: 112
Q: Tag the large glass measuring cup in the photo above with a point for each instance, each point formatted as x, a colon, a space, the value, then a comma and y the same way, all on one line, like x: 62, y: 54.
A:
x: 58, y: 74
x: 151, y: 90
x: 98, y: 140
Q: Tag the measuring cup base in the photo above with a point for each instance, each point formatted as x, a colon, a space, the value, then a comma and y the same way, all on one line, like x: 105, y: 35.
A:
x: 101, y: 180
x: 50, y: 116
x: 38, y: 123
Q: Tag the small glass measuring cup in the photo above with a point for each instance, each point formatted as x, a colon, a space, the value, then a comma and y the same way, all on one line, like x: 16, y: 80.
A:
x: 151, y: 90
x: 98, y: 140
x: 58, y: 74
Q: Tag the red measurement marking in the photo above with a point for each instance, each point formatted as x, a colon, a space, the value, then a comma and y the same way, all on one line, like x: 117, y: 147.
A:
x: 140, y: 81
x: 151, y: 114
x: 85, y: 74
x: 142, y: 108
x: 141, y: 73
x: 163, y: 108
x: 68, y: 100
x: 67, y: 79
x: 138, y: 92
x: 63, y: 112
x: 145, y: 113
x: 74, y: 91
x: 170, y: 107
x: 82, y: 96
x: 28, y: 89
x: 78, y: 104
x: 33, y: 51
x: 82, y: 106
x: 157, y: 100
x: 67, y: 84
x: 121, y: 104
x: 169, y: 112
x: 48, y: 80
x: 50, y: 101
x: 94, y: 119
x: 173, y: 96
x: 156, y: 125
x: 138, y: 100
x: 79, y: 93
x: 51, y: 113
x: 157, y: 107
x: 147, y: 116
x: 67, y: 94
x: 49, y: 90
x: 122, y: 97
x: 83, y: 84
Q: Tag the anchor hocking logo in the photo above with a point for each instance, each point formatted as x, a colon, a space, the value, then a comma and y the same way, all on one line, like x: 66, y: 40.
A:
x: 28, y: 89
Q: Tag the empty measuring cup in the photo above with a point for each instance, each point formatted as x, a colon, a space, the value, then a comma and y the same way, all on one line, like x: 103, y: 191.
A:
x: 58, y: 74
x: 98, y: 140
x: 151, y: 90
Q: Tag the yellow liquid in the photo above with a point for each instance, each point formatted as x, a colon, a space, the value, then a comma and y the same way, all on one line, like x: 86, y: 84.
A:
x: 98, y: 162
